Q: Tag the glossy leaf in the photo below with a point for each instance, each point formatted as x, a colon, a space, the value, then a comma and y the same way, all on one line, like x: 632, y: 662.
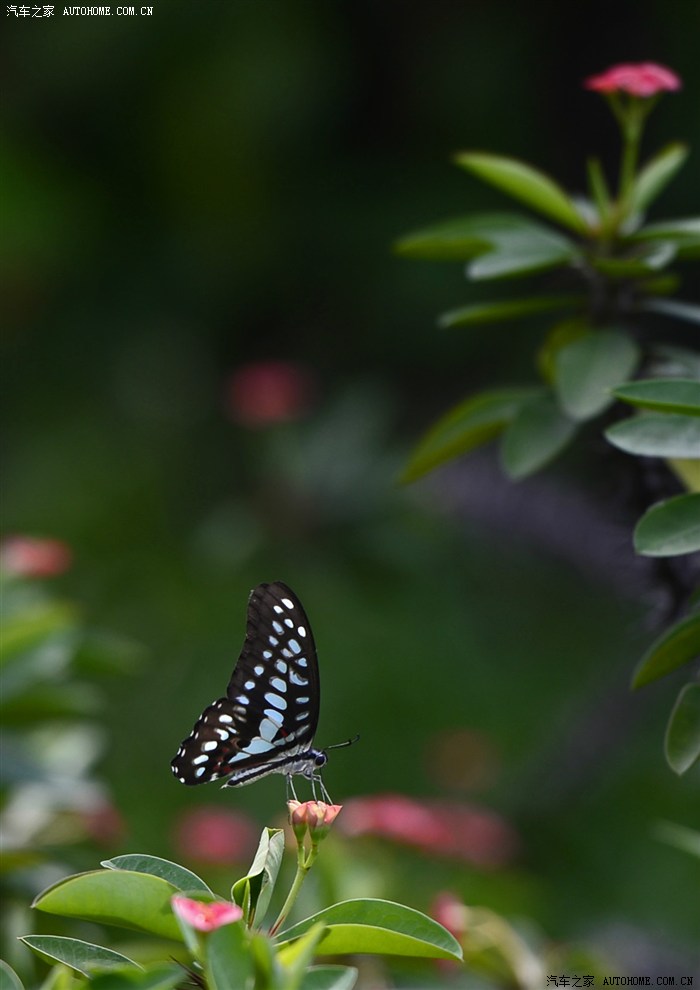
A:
x: 529, y: 185
x: 253, y: 891
x: 685, y: 233
x: 229, y: 965
x: 184, y: 880
x: 377, y: 926
x: 506, y: 309
x: 681, y: 395
x: 470, y: 424
x: 647, y: 260
x: 683, y: 732
x: 538, y: 432
x: 669, y: 528
x: 657, y: 435
x: 586, y: 369
x: 9, y: 979
x: 115, y: 897
x: 520, y: 253
x: 683, y: 838
x: 656, y: 174
x: 84, y: 957
x: 504, y: 244
x: 673, y: 307
x: 676, y: 646
x: 329, y: 978
x: 296, y: 956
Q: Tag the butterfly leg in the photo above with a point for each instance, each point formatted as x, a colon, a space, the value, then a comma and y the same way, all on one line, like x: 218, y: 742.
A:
x: 290, y: 789
x: 325, y: 796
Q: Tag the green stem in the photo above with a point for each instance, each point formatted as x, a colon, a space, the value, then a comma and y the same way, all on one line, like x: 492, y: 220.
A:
x: 304, y: 864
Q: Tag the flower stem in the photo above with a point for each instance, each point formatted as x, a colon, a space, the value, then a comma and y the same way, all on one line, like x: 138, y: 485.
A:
x: 304, y: 864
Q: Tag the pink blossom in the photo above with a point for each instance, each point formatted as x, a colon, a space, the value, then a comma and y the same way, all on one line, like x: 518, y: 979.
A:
x: 30, y: 556
x: 215, y: 835
x: 641, y: 79
x: 268, y: 392
x: 317, y: 816
x: 205, y: 917
x: 457, y: 830
x: 104, y: 824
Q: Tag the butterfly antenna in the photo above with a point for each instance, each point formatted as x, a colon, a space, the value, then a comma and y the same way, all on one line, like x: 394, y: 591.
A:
x: 342, y: 745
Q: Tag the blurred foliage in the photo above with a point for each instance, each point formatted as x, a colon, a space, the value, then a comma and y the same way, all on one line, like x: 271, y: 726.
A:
x: 219, y: 185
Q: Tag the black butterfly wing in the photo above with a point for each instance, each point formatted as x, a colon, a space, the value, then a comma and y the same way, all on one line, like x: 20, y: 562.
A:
x: 271, y: 709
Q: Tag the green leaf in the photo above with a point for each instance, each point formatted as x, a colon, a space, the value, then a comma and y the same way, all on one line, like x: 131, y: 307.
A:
x: 296, y: 956
x: 683, y: 732
x: 123, y: 898
x: 669, y: 528
x: 685, y: 233
x: 683, y: 838
x: 656, y: 174
x: 9, y: 979
x: 162, y: 976
x: 377, y: 926
x: 678, y: 645
x: 229, y: 965
x: 658, y: 435
x: 329, y: 978
x: 644, y: 260
x: 679, y: 395
x: 673, y: 307
x: 468, y: 425
x: 586, y: 369
x: 507, y: 309
x: 32, y: 625
x: 253, y: 891
x: 84, y: 957
x: 504, y: 244
x: 520, y: 180
x: 600, y: 194
x: 537, y: 433
x: 184, y: 880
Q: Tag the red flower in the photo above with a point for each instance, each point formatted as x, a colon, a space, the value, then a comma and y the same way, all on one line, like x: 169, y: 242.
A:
x: 642, y: 79
x: 460, y: 831
x: 268, y: 392
x: 30, y: 556
x: 205, y: 917
x: 214, y: 835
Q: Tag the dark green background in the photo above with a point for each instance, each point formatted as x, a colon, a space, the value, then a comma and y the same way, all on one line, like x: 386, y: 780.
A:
x: 222, y: 183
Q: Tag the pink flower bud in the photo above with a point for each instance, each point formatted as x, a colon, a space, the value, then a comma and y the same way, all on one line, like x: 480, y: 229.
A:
x: 642, y: 79
x: 316, y: 816
x: 205, y: 917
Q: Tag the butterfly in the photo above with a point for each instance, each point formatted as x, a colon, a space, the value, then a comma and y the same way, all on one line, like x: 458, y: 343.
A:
x: 267, y: 721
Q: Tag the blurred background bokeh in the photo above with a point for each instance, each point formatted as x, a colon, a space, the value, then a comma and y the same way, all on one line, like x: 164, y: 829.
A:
x: 213, y: 369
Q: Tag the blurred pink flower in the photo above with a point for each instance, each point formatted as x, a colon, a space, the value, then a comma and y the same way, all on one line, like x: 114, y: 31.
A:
x: 450, y: 912
x: 268, y: 392
x: 205, y: 917
x: 457, y: 830
x: 215, y: 835
x: 31, y: 556
x: 104, y: 824
x: 641, y: 79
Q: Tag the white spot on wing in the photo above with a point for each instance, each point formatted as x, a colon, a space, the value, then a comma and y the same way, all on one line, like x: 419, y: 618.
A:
x: 276, y: 700
x: 295, y: 679
x: 199, y: 771
x: 277, y: 627
x: 259, y: 669
x: 225, y: 718
x: 200, y: 759
x: 281, y: 666
x: 209, y: 746
x: 302, y: 631
x: 293, y: 645
x: 278, y: 684
x: 288, y: 603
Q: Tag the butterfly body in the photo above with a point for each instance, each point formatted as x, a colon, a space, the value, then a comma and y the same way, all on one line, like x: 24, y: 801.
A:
x: 267, y: 720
